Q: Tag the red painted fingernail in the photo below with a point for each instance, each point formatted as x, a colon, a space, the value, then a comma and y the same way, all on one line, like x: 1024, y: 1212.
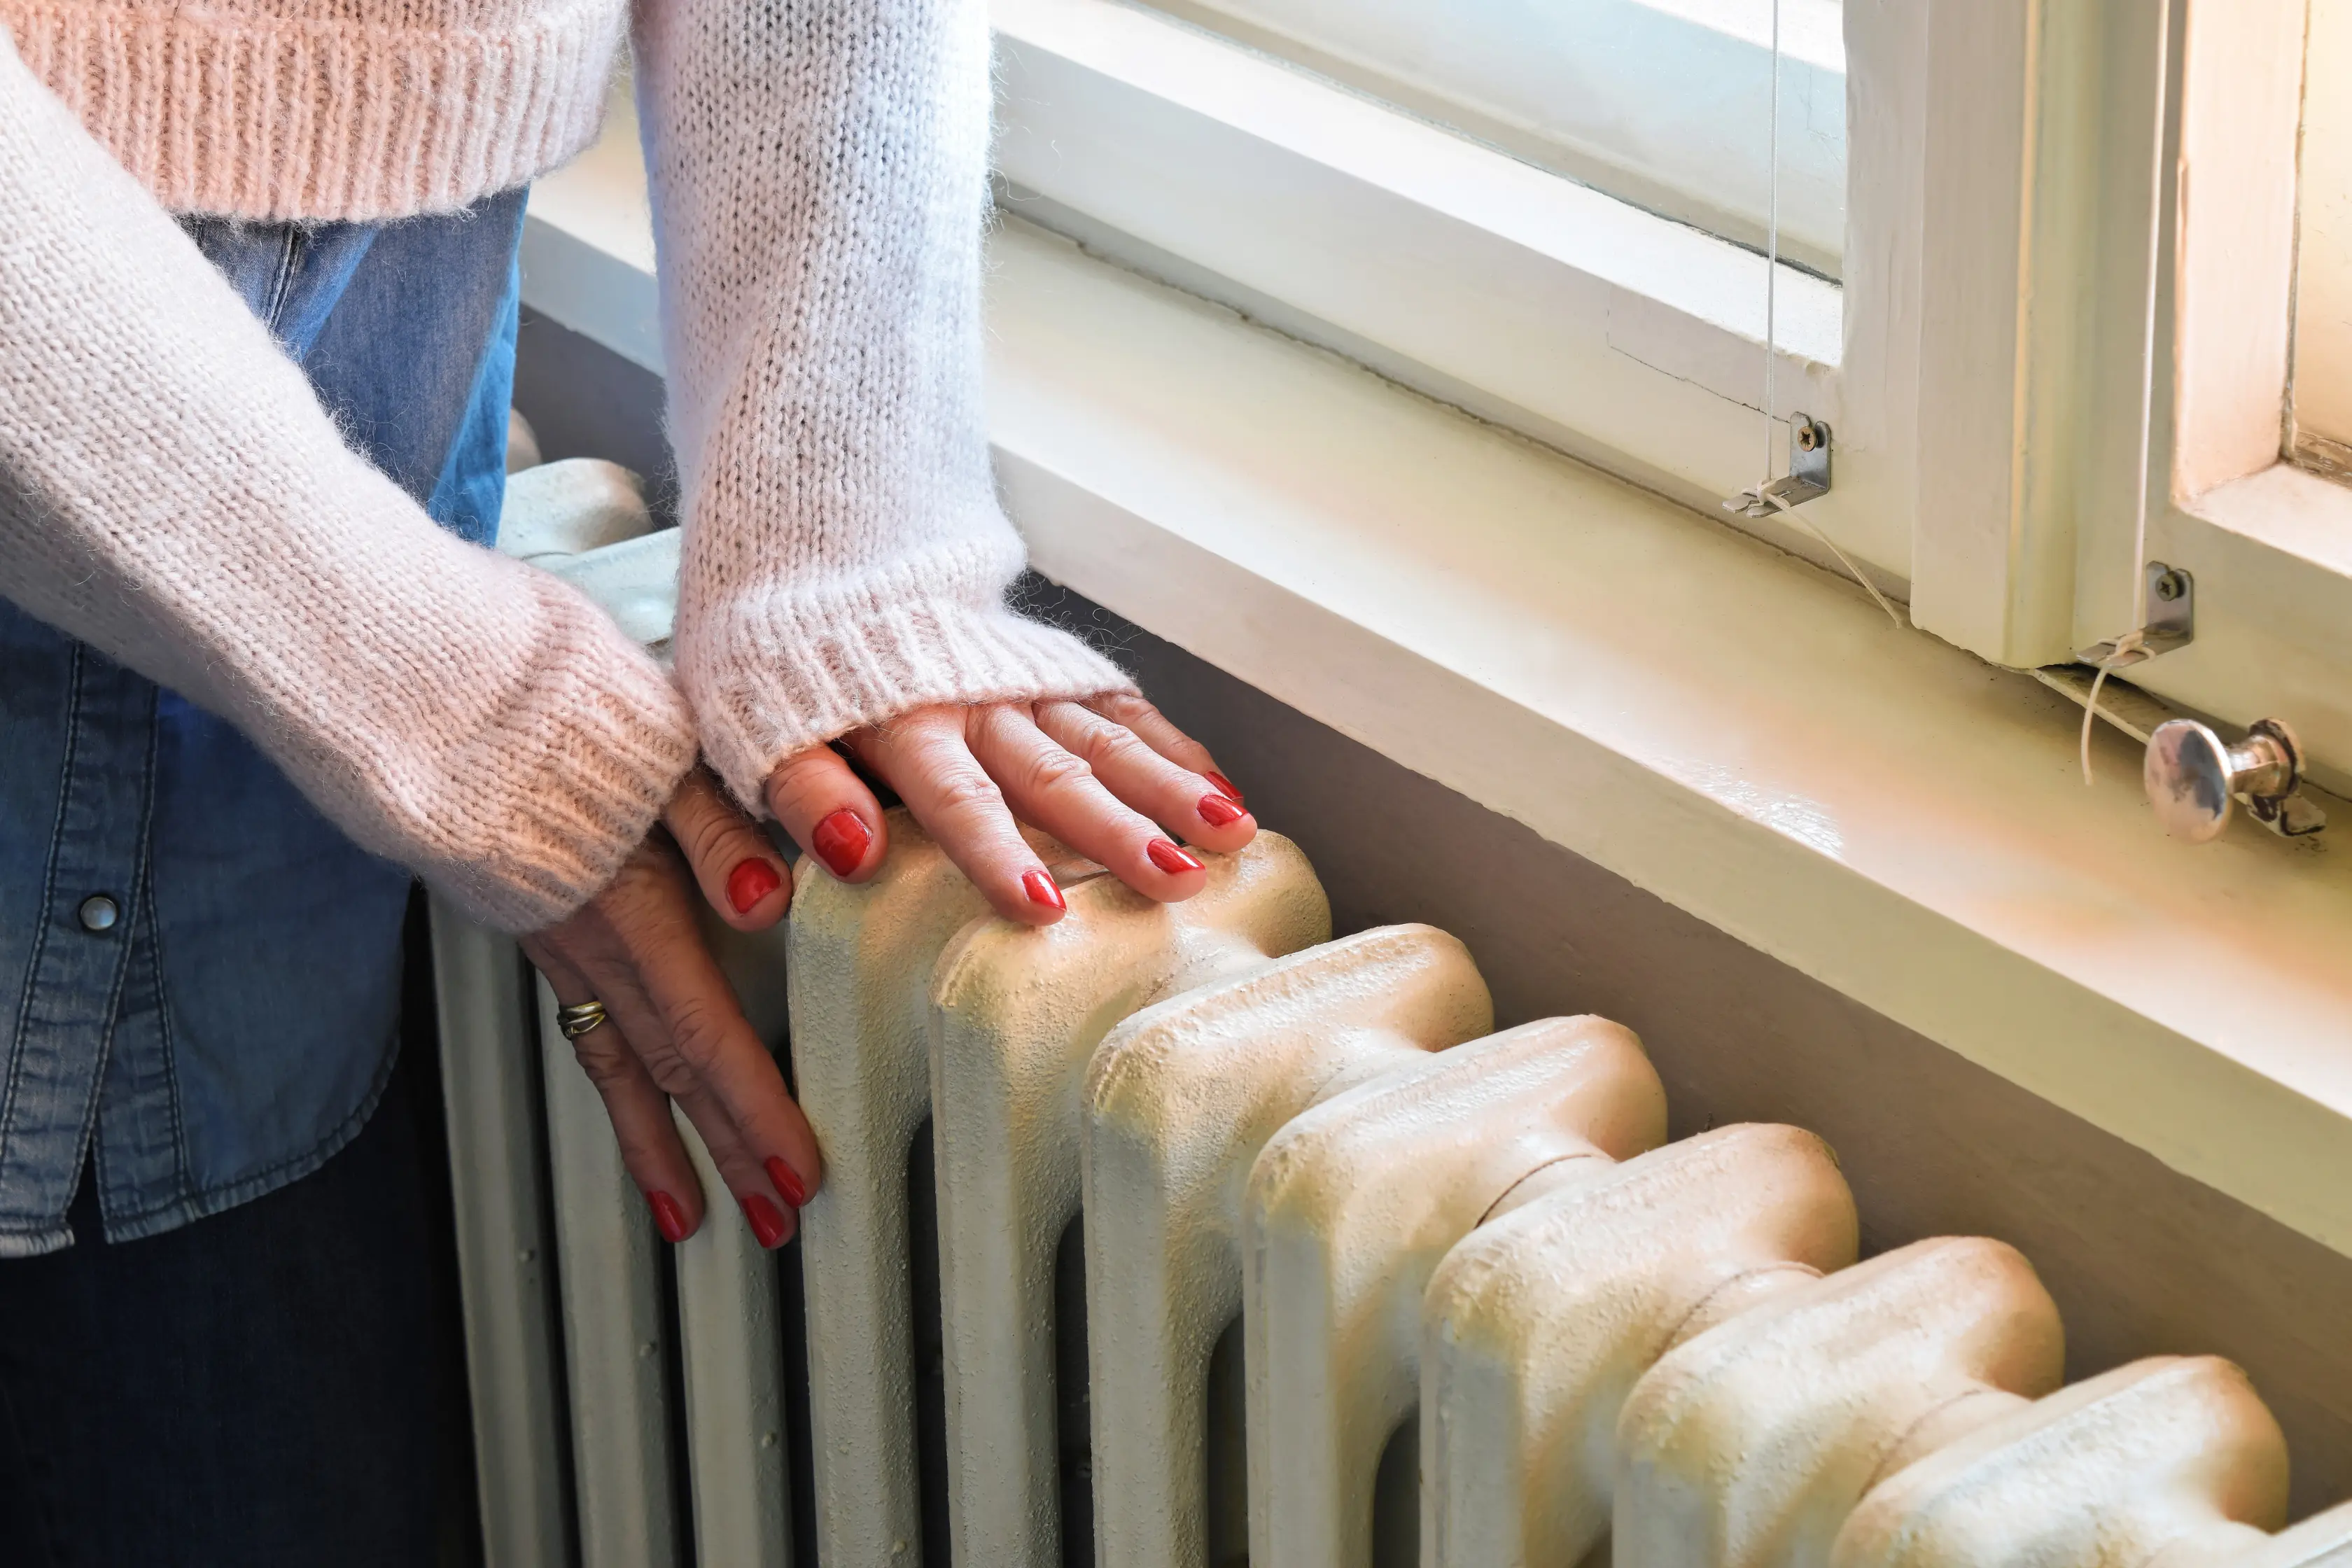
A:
x: 1218, y: 812
x: 1169, y: 858
x: 766, y: 1223
x: 788, y: 1182
x: 750, y: 882
x: 668, y: 1217
x: 840, y: 841
x: 1224, y: 784
x: 1041, y: 889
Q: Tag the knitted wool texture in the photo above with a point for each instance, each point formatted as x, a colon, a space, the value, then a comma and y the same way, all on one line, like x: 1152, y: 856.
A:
x: 171, y: 492
x: 819, y: 169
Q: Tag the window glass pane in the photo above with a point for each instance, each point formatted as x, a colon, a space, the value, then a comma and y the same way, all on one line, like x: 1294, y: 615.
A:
x: 2323, y: 306
x: 1663, y: 103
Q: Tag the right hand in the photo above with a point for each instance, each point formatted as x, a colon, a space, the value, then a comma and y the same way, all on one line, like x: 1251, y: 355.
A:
x: 674, y: 1030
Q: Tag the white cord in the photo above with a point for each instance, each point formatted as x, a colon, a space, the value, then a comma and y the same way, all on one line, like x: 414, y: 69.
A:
x: 1772, y: 333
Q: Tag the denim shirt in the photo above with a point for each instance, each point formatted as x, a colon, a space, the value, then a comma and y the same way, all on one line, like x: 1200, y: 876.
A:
x: 201, y: 975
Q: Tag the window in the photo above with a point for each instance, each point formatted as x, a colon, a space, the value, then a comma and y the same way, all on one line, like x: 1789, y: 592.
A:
x: 2041, y: 277
x: 1659, y: 103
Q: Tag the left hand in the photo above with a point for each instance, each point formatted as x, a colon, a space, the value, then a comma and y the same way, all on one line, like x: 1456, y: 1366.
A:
x: 1110, y: 777
x: 674, y: 1031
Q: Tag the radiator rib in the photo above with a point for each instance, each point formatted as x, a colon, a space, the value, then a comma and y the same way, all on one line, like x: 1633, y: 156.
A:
x: 1537, y: 1324
x: 1016, y: 1013
x: 1350, y: 1208
x: 1179, y: 1101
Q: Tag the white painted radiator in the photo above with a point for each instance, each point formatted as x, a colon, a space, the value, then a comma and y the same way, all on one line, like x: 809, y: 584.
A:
x: 1253, y: 1245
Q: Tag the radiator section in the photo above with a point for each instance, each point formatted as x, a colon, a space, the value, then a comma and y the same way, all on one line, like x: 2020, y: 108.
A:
x: 1016, y: 1013
x: 1179, y: 1101
x: 1350, y: 1208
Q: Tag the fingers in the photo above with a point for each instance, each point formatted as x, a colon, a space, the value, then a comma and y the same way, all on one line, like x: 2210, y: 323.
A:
x: 650, y: 1149
x: 928, y: 759
x: 830, y: 813
x: 1186, y: 801
x: 1126, y: 709
x: 677, y: 1033
x: 739, y: 872
x: 1052, y: 788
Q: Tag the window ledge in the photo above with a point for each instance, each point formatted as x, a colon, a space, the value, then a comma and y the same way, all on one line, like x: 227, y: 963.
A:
x: 1734, y: 732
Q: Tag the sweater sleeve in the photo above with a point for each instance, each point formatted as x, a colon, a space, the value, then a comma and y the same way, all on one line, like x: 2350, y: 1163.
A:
x: 819, y: 175
x: 172, y: 493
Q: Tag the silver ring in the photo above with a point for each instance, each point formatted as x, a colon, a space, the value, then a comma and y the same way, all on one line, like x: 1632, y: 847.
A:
x: 578, y: 1019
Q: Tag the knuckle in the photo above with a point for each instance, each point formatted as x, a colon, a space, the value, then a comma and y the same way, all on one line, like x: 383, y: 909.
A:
x: 697, y: 1033
x: 1055, y: 771
x: 608, y: 1068
x: 963, y: 788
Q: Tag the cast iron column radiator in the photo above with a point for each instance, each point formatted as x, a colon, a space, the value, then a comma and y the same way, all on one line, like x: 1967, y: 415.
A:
x: 1252, y: 1244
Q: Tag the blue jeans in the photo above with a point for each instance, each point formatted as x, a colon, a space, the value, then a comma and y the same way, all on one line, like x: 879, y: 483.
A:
x: 223, y: 1357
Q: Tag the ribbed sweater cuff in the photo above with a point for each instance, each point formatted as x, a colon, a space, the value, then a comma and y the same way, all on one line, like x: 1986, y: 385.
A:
x: 780, y: 675
x: 572, y: 778
x: 233, y: 113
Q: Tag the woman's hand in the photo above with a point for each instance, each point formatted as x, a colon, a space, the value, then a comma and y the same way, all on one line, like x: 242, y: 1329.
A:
x: 1109, y: 777
x: 674, y: 1030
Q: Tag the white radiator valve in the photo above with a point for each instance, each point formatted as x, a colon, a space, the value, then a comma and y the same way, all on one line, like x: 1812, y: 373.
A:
x: 1016, y: 1013
x: 1749, y: 1445
x: 1179, y: 1101
x: 1350, y: 1209
x: 1537, y: 1324
x: 2172, y: 1461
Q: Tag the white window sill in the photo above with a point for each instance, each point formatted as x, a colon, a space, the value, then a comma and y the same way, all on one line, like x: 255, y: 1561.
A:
x: 1737, y: 733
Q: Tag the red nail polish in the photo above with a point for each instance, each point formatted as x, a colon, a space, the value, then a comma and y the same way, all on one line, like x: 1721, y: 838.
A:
x: 750, y: 882
x: 668, y: 1218
x: 1169, y: 857
x: 840, y: 841
x: 1218, y: 812
x: 788, y: 1182
x: 1041, y: 889
x: 766, y: 1223
x: 1223, y: 783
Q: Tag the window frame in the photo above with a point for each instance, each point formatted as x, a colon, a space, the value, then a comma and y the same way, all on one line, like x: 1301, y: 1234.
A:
x: 2079, y: 267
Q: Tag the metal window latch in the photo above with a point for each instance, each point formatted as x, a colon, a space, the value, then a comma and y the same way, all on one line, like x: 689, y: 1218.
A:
x: 2192, y: 775
x: 2168, y: 621
x: 1808, y: 478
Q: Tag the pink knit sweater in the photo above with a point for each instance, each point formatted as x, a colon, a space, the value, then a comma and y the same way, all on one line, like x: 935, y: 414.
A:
x: 172, y: 493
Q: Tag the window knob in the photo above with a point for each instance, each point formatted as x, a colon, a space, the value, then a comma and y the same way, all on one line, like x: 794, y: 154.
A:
x: 2192, y: 775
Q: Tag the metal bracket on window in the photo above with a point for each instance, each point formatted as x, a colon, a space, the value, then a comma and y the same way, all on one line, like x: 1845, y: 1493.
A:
x: 1808, y: 478
x: 2168, y: 622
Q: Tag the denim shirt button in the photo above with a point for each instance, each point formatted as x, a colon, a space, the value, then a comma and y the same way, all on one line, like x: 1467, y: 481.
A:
x: 97, y: 912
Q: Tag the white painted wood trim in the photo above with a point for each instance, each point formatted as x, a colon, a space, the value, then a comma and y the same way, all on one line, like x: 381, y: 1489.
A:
x: 1628, y: 339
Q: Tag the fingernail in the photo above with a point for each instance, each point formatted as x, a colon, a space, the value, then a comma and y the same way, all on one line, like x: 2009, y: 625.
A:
x: 1218, y: 812
x: 668, y: 1218
x: 1224, y: 784
x: 1169, y: 857
x: 766, y: 1223
x: 788, y: 1182
x: 840, y: 841
x: 1041, y: 889
x: 750, y: 882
